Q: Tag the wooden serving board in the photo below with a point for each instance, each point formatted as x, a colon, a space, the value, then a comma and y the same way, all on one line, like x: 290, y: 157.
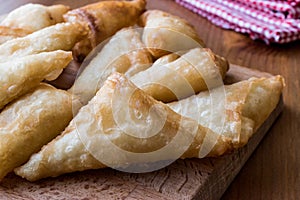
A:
x: 185, y: 179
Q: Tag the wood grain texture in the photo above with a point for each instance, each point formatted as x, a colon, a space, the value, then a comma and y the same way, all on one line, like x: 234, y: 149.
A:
x: 272, y: 172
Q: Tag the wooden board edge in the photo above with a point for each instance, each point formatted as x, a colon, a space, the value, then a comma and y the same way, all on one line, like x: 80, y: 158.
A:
x: 244, y: 74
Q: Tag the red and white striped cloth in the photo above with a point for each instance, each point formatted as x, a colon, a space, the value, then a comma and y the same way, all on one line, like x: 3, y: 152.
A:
x: 274, y: 21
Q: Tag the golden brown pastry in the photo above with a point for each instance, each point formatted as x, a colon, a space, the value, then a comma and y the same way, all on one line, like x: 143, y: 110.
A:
x: 18, y: 76
x: 236, y: 112
x: 175, y: 77
x: 31, y: 122
x: 121, y: 126
x: 124, y: 53
x: 104, y: 19
x: 33, y: 17
x: 62, y: 36
x: 9, y: 33
x: 165, y: 33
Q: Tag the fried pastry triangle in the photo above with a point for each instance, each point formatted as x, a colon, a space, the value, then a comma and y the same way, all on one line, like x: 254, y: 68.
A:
x: 247, y: 105
x: 33, y: 17
x: 122, y: 126
x: 62, y: 36
x: 124, y: 53
x: 165, y: 33
x: 104, y: 19
x: 175, y: 77
x: 31, y: 122
x: 18, y: 76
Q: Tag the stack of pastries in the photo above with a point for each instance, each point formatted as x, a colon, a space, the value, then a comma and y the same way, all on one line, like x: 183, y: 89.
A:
x: 152, y: 89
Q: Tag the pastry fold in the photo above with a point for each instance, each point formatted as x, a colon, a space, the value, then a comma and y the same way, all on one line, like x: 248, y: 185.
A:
x: 104, y: 19
x: 33, y: 17
x: 121, y: 126
x: 124, y: 53
x: 62, y: 36
x: 165, y: 33
x: 235, y: 111
x: 18, y: 76
x: 9, y: 33
x: 31, y: 122
x: 175, y: 77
